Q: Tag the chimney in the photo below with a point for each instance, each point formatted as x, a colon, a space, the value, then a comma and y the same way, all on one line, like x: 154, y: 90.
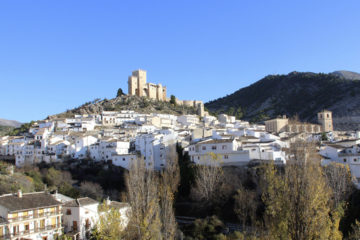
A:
x: 19, y: 193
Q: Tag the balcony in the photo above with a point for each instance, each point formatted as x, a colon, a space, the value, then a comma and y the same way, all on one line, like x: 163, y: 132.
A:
x: 32, y: 231
x: 35, y: 215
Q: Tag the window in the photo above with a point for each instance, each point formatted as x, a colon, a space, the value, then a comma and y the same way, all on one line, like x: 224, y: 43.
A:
x: 27, y: 227
x: 41, y: 212
x: 355, y: 159
x: 68, y: 211
x: 198, y: 158
x: 14, y: 215
x: 224, y: 147
x: 344, y: 159
x: 226, y: 156
x: 75, y: 226
x: 203, y: 147
x: 213, y: 147
x: 16, y: 229
x: 123, y: 159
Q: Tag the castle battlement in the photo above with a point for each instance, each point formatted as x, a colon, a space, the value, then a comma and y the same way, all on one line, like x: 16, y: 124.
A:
x: 138, y: 86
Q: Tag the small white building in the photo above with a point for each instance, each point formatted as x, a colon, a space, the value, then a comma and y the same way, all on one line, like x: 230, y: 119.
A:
x: 156, y: 147
x: 80, y: 216
x: 188, y: 120
x: 219, y: 152
x: 123, y: 160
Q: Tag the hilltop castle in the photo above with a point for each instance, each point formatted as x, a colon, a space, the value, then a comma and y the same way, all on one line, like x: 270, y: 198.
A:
x: 138, y: 86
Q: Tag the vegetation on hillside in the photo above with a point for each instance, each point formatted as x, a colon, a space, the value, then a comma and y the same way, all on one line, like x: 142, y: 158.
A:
x: 4, y: 130
x: 303, y: 94
x: 126, y: 102
x: 24, y: 128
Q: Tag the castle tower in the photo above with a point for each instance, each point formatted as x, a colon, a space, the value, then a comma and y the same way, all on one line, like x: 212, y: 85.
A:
x: 159, y: 94
x: 141, y: 77
x: 164, y: 93
x: 325, y: 119
x: 200, y: 109
x: 132, y: 85
x: 137, y: 83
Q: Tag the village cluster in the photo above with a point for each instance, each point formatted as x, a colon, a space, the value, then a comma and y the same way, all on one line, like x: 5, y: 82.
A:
x: 119, y: 138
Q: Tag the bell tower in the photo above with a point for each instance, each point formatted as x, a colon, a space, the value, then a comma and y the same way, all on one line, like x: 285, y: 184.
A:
x: 325, y: 119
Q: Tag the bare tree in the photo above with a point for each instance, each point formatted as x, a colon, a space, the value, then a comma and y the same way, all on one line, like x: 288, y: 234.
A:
x: 245, y: 205
x: 143, y: 198
x: 207, y: 181
x: 168, y: 184
x: 92, y: 190
x: 339, y: 179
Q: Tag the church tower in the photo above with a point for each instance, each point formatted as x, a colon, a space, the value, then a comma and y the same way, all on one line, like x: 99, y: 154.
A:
x: 325, y: 119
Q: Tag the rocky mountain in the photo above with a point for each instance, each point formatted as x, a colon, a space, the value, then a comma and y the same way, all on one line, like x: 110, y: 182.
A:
x: 9, y: 123
x: 125, y: 102
x: 297, y: 93
x: 347, y: 75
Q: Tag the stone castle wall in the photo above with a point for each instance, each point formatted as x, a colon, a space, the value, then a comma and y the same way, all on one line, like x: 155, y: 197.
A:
x: 138, y: 86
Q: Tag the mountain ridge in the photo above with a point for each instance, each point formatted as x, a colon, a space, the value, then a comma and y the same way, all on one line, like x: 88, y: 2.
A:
x: 347, y: 74
x: 9, y: 123
x: 296, y: 93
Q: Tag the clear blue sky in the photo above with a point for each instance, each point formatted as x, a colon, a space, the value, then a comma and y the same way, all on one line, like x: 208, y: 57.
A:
x: 56, y: 55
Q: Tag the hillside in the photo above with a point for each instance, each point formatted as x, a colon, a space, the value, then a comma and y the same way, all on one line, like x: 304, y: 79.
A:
x: 9, y: 123
x: 7, y: 126
x: 125, y: 102
x: 4, y: 130
x: 295, y: 93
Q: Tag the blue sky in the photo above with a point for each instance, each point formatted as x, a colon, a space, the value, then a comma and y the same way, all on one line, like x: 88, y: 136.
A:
x: 56, y: 55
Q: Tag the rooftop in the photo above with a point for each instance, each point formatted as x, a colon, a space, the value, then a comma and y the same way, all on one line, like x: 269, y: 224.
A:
x: 28, y: 201
x: 81, y: 202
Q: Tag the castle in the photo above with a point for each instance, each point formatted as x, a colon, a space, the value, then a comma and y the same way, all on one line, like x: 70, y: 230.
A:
x: 138, y: 86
